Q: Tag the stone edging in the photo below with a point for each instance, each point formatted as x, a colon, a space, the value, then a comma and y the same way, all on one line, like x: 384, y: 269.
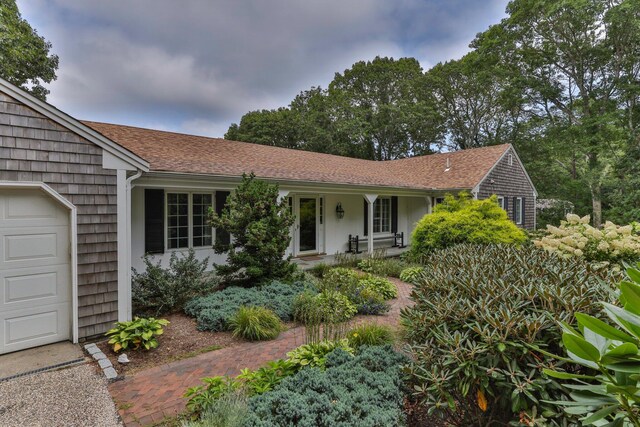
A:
x: 105, y: 364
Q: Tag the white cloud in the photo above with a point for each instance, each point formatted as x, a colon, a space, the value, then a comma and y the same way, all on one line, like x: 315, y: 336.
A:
x: 198, y: 65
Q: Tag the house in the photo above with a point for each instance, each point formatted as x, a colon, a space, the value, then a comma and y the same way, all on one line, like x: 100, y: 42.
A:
x: 82, y: 202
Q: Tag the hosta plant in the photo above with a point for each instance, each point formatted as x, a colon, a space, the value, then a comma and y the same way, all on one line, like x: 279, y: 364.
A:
x: 315, y: 354
x: 411, y: 274
x: 478, y: 311
x: 137, y: 333
x: 575, y: 237
x: 611, y: 396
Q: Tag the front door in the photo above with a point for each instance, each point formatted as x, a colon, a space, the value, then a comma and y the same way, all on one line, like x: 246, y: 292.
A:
x: 308, y: 225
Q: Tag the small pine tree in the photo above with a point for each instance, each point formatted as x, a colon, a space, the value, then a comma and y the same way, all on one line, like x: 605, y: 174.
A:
x: 260, y: 227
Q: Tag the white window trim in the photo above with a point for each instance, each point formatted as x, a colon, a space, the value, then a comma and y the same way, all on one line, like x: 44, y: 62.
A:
x: 190, y: 220
x: 501, y: 200
x: 518, y: 211
x: 382, y: 233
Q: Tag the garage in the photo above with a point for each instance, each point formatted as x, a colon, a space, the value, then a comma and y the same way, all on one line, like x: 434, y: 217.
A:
x: 35, y: 269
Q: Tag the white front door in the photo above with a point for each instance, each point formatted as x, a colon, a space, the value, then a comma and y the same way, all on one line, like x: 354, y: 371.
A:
x: 307, y: 224
x: 35, y: 270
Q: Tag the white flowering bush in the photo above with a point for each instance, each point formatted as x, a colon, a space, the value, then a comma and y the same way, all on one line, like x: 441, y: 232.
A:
x: 576, y: 237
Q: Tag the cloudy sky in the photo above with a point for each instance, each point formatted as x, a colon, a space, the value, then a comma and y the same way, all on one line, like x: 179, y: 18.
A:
x: 196, y: 66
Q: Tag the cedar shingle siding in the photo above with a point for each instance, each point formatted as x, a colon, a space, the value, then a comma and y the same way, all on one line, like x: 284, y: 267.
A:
x: 34, y: 148
x: 510, y: 181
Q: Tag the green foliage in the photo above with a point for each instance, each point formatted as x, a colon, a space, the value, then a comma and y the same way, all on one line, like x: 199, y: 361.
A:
x: 228, y: 410
x: 370, y: 334
x: 376, y: 110
x: 464, y: 220
x: 575, y: 237
x: 24, y: 55
x: 388, y: 267
x: 202, y: 397
x: 137, y: 333
x: 255, y: 324
x: 477, y: 312
x: 265, y: 378
x: 366, y: 291
x: 320, y: 269
x: 214, y: 311
x: 259, y: 222
x: 340, y: 279
x: 613, y: 395
x: 159, y: 291
x: 380, y: 285
x: 411, y: 274
x: 365, y: 390
x: 583, y: 129
x: 323, y: 314
x: 314, y: 355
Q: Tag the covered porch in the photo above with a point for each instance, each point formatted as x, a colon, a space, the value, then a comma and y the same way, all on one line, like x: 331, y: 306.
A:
x: 327, y: 223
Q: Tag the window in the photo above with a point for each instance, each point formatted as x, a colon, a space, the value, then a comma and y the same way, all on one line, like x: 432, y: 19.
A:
x: 201, y: 231
x: 510, y: 159
x: 518, y: 213
x: 437, y: 201
x: 177, y: 220
x: 187, y: 220
x: 502, y: 202
x: 382, y: 215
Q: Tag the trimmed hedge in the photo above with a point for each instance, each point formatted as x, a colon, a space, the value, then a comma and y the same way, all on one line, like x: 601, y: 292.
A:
x: 365, y: 390
x: 213, y: 312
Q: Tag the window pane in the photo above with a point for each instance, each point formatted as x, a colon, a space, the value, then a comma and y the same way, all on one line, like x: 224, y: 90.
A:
x: 201, y: 231
x: 177, y: 220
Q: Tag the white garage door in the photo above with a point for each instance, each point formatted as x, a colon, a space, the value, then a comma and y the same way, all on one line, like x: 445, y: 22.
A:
x: 35, y: 273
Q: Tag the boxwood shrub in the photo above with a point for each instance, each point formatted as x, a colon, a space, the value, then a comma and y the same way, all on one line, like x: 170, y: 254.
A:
x: 214, y: 311
x: 478, y: 311
x: 366, y: 390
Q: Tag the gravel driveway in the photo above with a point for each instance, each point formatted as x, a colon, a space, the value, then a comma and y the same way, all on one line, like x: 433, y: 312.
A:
x: 75, y: 396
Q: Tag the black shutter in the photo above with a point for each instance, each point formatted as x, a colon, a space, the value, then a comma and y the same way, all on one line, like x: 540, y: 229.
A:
x: 222, y: 236
x: 394, y: 214
x: 524, y: 216
x: 513, y: 208
x: 153, y: 221
x: 366, y: 217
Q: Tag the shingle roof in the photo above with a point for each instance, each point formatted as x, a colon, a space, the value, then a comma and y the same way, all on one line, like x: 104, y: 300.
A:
x: 189, y: 154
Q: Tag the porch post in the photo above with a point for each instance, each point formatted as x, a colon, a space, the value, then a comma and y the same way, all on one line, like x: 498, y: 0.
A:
x: 371, y: 198
x: 429, y: 207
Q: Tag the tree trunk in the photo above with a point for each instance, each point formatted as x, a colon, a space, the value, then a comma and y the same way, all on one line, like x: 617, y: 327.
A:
x: 596, y: 202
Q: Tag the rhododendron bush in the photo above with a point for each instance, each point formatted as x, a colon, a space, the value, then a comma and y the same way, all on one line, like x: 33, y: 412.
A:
x: 576, y: 237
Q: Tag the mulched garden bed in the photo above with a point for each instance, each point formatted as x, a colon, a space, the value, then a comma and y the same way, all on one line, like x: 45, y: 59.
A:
x: 180, y: 340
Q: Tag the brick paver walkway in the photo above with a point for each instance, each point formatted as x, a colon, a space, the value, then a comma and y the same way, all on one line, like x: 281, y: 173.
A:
x: 154, y: 394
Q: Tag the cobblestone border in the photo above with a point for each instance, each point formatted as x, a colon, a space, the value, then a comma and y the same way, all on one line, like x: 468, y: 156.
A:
x: 105, y: 364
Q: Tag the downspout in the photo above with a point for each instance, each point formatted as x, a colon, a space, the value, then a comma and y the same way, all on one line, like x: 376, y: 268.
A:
x: 133, y: 177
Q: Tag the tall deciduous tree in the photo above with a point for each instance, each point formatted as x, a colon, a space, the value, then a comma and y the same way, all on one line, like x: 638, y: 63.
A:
x: 573, y: 58
x: 25, y: 60
x: 478, y: 104
x: 381, y: 107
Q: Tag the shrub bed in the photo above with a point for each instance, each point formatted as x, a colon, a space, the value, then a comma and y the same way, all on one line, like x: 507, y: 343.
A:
x: 214, y: 311
x: 366, y: 291
x: 365, y: 390
x: 160, y: 290
x: 477, y: 312
x: 575, y: 237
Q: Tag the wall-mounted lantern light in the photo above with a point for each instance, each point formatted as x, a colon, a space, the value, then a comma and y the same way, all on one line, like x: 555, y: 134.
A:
x: 339, y: 211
